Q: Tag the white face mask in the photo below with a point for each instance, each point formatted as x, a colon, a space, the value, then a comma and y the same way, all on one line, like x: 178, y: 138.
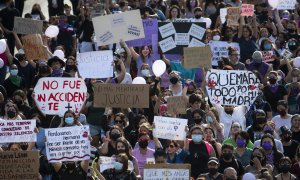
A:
x: 295, y: 79
x: 166, y: 98
x: 216, y: 38
x: 145, y: 72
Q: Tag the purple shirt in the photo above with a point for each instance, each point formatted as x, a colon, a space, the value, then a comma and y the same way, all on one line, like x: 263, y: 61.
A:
x: 141, y: 158
x: 262, y: 69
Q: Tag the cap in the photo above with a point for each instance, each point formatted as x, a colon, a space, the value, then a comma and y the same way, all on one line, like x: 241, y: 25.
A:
x: 20, y: 52
x: 197, y: 9
x: 213, y: 159
x: 283, y: 130
x: 257, y: 55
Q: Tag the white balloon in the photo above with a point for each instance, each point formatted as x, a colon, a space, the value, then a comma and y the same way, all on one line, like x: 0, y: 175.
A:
x: 273, y: 3
x: 139, y: 80
x: 296, y: 62
x: 1, y: 63
x: 2, y: 46
x: 59, y: 53
x: 52, y: 31
x: 159, y: 67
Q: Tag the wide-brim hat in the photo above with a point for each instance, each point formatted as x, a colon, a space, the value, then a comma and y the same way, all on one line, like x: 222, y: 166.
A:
x: 56, y: 59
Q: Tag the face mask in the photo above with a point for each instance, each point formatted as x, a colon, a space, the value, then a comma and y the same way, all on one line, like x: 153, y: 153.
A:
x: 143, y: 144
x: 272, y: 81
x: 43, y: 69
x: 70, y: 166
x: 197, y: 138
x: 166, y: 98
x: 14, y: 72
x: 197, y: 121
x: 292, y: 47
x: 295, y: 79
x: 145, y: 72
x: 267, y: 46
x: 18, y: 103
x: 70, y: 67
x: 212, y: 171
x: 284, y: 168
x: 190, y: 92
x: 174, y: 80
x: 118, y: 166
x: 121, y: 151
x: 11, y: 114
x: 267, y: 146
x: 69, y: 120
x: 230, y: 112
x: 193, y: 3
x: 197, y: 16
x: 209, y: 119
x: 227, y: 156
x: 290, y: 30
x: 259, y: 99
x: 282, y: 112
x: 216, y: 38
x: 268, y: 130
x: 115, y: 136
x: 153, y: 6
x: 240, y: 142
x: 279, y: 78
x: 287, y: 138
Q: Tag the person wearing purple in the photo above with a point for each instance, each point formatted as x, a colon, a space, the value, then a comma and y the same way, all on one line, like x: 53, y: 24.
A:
x: 258, y: 65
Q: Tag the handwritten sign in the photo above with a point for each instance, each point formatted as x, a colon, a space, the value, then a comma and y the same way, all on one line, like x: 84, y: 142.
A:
x: 177, y: 104
x: 167, y: 171
x: 28, y: 26
x: 223, y: 13
x: 19, y: 165
x: 110, y: 29
x: 233, y: 14
x: 247, y: 10
x: 67, y: 144
x: 174, y: 36
x: 54, y: 95
x: 170, y: 128
x: 286, y: 54
x: 95, y: 64
x: 286, y: 4
x: 34, y: 48
x: 195, y: 57
x: 121, y: 95
x: 267, y: 56
x: 231, y: 87
x: 106, y: 163
x: 220, y: 49
x: 17, y: 131
x: 150, y: 29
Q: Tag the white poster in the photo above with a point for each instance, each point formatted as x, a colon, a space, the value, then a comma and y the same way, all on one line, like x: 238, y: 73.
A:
x: 197, y: 31
x: 167, y: 44
x: 68, y: 144
x: 220, y: 49
x: 182, y: 38
x: 17, y: 131
x: 196, y: 43
x: 286, y: 4
x: 95, y: 64
x: 170, y: 128
x: 223, y: 13
x: 167, y: 30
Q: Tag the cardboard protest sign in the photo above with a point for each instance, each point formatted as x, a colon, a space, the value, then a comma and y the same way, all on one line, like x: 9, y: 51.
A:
x: 223, y: 13
x: 220, y: 49
x: 150, y: 29
x: 17, y: 131
x: 286, y: 54
x: 195, y: 57
x: 167, y: 171
x: 170, y: 128
x: 233, y: 15
x: 110, y: 29
x: 27, y: 26
x: 96, y: 64
x: 177, y: 104
x: 106, y: 163
x: 231, y: 87
x: 267, y: 56
x: 54, y: 96
x: 286, y: 4
x: 33, y: 47
x: 19, y: 165
x: 174, y: 36
x: 121, y: 95
x: 247, y: 10
x: 67, y: 144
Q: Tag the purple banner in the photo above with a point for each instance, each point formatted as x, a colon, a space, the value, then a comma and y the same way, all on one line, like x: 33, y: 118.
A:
x: 150, y: 28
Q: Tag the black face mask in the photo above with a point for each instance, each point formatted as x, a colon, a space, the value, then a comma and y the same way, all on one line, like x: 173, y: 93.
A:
x: 197, y: 16
x: 18, y: 103
x: 71, y: 67
x: 121, y: 151
x: 287, y: 138
x: 174, y: 80
x: 70, y: 166
x: 285, y: 168
x: 212, y: 171
x: 153, y: 6
x: 229, y: 112
x: 43, y: 69
x: 292, y: 47
x: 290, y: 30
x: 197, y: 121
x: 272, y: 81
x: 114, y: 137
x: 143, y: 144
x: 11, y: 114
x: 227, y: 156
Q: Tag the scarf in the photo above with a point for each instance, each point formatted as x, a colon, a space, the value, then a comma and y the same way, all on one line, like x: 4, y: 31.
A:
x: 16, y: 80
x: 57, y: 73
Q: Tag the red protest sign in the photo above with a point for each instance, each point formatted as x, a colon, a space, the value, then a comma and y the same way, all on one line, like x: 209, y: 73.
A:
x: 54, y: 96
x: 267, y: 56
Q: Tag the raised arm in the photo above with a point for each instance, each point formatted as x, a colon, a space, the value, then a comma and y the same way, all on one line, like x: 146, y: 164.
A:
x: 241, y: 24
x: 134, y: 54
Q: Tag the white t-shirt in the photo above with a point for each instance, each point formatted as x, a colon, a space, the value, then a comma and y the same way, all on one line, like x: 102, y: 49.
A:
x: 282, y: 122
x: 127, y: 79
